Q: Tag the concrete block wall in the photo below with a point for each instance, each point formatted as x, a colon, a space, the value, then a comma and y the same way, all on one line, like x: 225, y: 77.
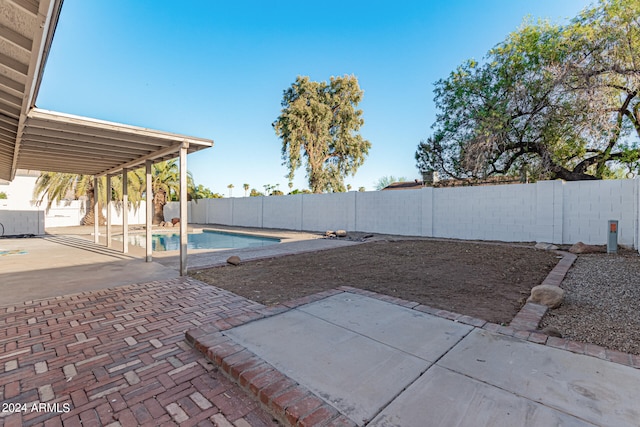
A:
x: 501, y: 212
x: 321, y: 212
x: 247, y: 211
x: 548, y: 211
x: 285, y: 213
x: 390, y: 212
x: 21, y: 222
x: 589, y: 205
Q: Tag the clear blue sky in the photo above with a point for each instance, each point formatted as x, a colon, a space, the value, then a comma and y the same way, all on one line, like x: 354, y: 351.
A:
x: 217, y: 69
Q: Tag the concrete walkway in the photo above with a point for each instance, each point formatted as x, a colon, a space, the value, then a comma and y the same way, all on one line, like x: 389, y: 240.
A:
x: 356, y: 360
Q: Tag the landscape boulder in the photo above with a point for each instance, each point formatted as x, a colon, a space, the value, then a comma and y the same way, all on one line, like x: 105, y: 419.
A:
x: 174, y: 221
x: 233, y: 260
x: 341, y: 233
x: 548, y: 295
x: 581, y: 248
x: 552, y: 332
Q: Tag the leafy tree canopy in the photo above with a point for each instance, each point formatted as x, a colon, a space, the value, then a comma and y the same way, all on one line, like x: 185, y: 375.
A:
x: 552, y: 101
x: 318, y: 123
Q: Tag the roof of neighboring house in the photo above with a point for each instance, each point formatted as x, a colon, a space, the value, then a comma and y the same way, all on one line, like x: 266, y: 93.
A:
x: 404, y: 185
x: 492, y: 180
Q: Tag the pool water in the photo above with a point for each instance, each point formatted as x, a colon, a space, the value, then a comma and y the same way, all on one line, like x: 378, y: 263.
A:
x: 205, y: 240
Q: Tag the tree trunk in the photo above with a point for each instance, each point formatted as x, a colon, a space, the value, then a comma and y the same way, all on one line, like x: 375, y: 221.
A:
x: 159, y: 200
x: 89, y: 216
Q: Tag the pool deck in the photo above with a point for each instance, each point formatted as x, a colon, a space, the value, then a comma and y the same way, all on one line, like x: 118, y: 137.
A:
x: 67, y: 261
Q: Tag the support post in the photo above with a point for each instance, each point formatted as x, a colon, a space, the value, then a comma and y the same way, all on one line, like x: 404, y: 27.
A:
x: 96, y: 214
x: 183, y: 209
x: 149, y: 207
x: 125, y: 211
x: 109, y: 230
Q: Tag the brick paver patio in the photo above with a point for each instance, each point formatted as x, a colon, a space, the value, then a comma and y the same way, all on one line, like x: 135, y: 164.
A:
x: 118, y: 357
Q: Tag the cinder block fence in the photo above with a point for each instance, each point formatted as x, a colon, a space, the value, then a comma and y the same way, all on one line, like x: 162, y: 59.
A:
x: 547, y: 211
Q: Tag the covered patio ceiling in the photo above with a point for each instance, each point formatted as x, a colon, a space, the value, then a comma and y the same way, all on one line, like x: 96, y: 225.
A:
x: 36, y: 139
x: 59, y: 142
x: 31, y: 138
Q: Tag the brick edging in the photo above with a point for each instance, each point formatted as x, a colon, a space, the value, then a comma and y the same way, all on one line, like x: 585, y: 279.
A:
x: 530, y: 315
x: 289, y: 402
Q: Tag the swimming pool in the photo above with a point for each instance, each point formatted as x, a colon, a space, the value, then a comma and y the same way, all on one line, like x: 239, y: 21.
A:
x: 206, y: 240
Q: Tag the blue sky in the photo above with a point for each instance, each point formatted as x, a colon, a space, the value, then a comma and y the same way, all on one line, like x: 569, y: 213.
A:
x: 217, y: 69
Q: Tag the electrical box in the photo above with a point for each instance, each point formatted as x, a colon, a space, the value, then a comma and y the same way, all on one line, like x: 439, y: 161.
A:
x: 612, y: 241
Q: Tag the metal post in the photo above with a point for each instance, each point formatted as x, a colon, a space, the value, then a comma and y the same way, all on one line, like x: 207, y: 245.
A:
x: 96, y: 215
x: 109, y: 231
x: 183, y: 209
x: 125, y: 212
x: 149, y: 207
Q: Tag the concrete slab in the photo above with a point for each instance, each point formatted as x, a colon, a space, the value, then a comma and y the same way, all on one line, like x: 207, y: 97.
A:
x: 445, y: 398
x: 38, y: 268
x: 594, y: 390
x: 423, y: 336
x: 344, y: 361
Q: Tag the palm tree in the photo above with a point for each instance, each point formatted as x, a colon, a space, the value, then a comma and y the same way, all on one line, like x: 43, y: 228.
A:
x: 165, y: 187
x: 230, y: 187
x: 67, y: 186
x: 246, y: 188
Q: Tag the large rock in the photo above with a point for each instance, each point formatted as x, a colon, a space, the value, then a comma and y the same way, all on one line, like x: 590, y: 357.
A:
x: 581, y: 248
x: 341, y: 233
x: 234, y: 260
x: 548, y: 295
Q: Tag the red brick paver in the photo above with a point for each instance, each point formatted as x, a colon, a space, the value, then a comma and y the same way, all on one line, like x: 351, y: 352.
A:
x: 118, y: 357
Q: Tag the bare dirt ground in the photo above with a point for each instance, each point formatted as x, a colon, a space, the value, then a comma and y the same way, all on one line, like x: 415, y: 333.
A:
x: 485, y: 280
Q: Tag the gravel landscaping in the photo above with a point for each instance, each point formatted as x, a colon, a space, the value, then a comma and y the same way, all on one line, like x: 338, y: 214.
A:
x: 602, y: 302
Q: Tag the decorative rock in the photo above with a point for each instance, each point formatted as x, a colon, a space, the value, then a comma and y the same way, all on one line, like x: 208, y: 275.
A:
x: 233, y: 260
x: 581, y: 248
x: 548, y: 295
x: 341, y: 233
x: 546, y: 246
x: 175, y: 221
x: 330, y: 233
x: 552, y: 332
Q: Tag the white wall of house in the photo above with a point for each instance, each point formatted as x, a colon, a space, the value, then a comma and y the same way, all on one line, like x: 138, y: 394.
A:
x: 20, y: 214
x: 547, y: 211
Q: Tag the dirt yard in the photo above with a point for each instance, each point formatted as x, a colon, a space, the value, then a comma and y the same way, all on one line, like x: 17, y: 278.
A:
x: 485, y: 280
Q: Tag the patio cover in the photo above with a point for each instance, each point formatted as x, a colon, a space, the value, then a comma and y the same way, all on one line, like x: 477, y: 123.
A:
x: 31, y: 138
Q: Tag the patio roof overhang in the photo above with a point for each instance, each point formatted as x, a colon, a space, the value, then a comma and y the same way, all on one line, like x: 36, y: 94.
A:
x: 36, y: 139
x: 58, y: 142
x: 31, y: 138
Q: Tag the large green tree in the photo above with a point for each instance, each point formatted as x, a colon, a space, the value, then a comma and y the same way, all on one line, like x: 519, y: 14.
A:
x: 318, y: 123
x: 552, y: 101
